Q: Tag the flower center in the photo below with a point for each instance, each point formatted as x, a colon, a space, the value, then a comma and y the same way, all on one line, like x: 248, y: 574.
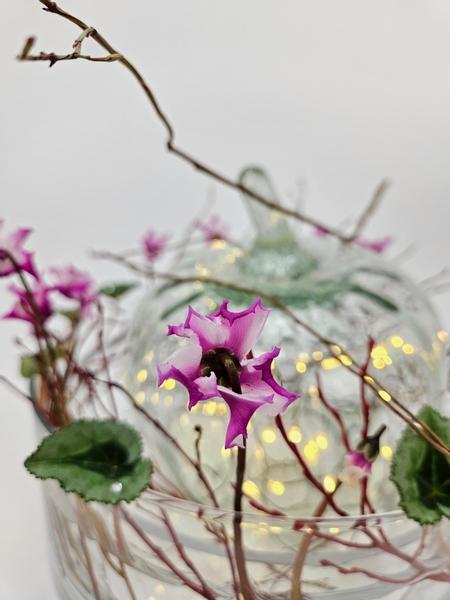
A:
x: 226, y: 366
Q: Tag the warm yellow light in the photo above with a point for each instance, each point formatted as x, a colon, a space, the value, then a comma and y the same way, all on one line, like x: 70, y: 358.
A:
x: 155, y: 397
x: 408, y: 348
x: 276, y: 487
x: 378, y: 351
x: 386, y: 452
x: 330, y: 363
x: 387, y: 359
x: 443, y: 336
x: 336, y: 349
x: 142, y: 375
x: 168, y: 400
x: 303, y: 356
x: 273, y: 365
x: 368, y: 378
x: 310, y: 450
x: 268, y: 436
x: 218, y: 244
x: 274, y: 217
x: 313, y: 391
x: 251, y: 489
x: 378, y: 363
x: 396, y: 341
x: 221, y: 409
x: 345, y: 360
x: 197, y: 285
x: 384, y: 395
x: 334, y: 530
x: 317, y: 355
x: 300, y: 366
x: 148, y: 357
x: 225, y: 452
x: 206, y: 272
x: 198, y: 266
x: 210, y: 407
x: 230, y: 258
x: 237, y: 251
x: 295, y: 435
x: 329, y: 483
x: 259, y: 452
x: 322, y: 441
x: 140, y: 398
x: 169, y: 384
x: 160, y: 589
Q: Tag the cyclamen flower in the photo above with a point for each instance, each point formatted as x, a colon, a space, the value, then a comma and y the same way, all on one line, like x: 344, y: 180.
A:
x: 377, y: 246
x: 74, y: 284
x: 23, y: 310
x: 214, y: 229
x: 12, y: 244
x: 154, y: 244
x: 358, y: 463
x: 216, y: 365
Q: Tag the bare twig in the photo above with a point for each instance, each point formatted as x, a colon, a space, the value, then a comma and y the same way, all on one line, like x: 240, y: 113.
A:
x: 377, y: 197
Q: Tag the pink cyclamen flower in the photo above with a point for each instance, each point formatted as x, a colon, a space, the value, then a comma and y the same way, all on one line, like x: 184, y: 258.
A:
x: 23, y: 310
x: 214, y: 229
x: 76, y: 285
x: 356, y: 467
x: 377, y: 246
x: 12, y: 244
x: 154, y: 244
x: 215, y: 365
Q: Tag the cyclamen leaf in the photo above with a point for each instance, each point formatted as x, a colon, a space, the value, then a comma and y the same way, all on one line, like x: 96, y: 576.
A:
x: 116, y: 290
x: 421, y: 473
x: 98, y: 460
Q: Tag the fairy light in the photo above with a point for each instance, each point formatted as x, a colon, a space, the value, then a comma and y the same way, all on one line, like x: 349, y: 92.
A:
x: 387, y: 359
x: 258, y: 452
x: 225, y: 452
x: 251, y: 489
x: 221, y: 409
x: 313, y: 391
x: 330, y: 363
x: 369, y: 379
x: 230, y: 258
x: 378, y: 351
x: 154, y: 398
x: 148, y: 357
x: 218, y: 244
x: 275, y: 529
x: 336, y: 349
x: 443, y: 335
x: 168, y: 401
x: 334, y: 530
x: 317, y: 355
x: 140, y: 398
x: 321, y: 441
x: 205, y: 272
x: 237, y: 251
x: 160, y: 589
x: 408, y: 348
x: 274, y: 217
x: 210, y: 407
x: 386, y: 452
x: 142, y: 375
x: 276, y: 487
x: 184, y: 420
x: 379, y: 363
x: 273, y: 365
x: 294, y: 435
x: 396, y: 341
x: 310, y: 450
x: 300, y: 366
x: 268, y: 436
x: 345, y: 360
x: 383, y: 394
x: 197, y: 285
x: 329, y: 483
x: 169, y: 384
x: 198, y: 266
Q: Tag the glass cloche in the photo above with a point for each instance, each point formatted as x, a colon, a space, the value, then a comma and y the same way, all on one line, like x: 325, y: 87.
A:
x: 348, y: 295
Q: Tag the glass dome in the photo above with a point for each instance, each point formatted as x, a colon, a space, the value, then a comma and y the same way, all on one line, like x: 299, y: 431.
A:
x: 344, y: 293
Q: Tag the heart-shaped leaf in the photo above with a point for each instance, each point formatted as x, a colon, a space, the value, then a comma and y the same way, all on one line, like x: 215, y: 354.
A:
x: 421, y: 473
x: 98, y: 460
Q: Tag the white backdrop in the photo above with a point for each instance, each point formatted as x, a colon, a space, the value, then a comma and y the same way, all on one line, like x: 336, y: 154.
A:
x: 337, y: 93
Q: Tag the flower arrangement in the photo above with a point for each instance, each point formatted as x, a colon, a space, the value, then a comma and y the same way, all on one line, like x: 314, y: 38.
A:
x: 99, y: 458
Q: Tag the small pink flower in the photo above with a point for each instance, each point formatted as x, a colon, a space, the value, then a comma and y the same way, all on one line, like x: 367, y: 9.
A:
x: 23, y: 310
x: 12, y: 244
x: 356, y: 467
x: 214, y: 229
x: 216, y: 365
x: 154, y: 244
x: 377, y: 246
x: 76, y: 285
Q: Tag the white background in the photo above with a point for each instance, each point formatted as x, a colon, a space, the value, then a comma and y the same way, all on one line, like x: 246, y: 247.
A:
x: 337, y: 93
